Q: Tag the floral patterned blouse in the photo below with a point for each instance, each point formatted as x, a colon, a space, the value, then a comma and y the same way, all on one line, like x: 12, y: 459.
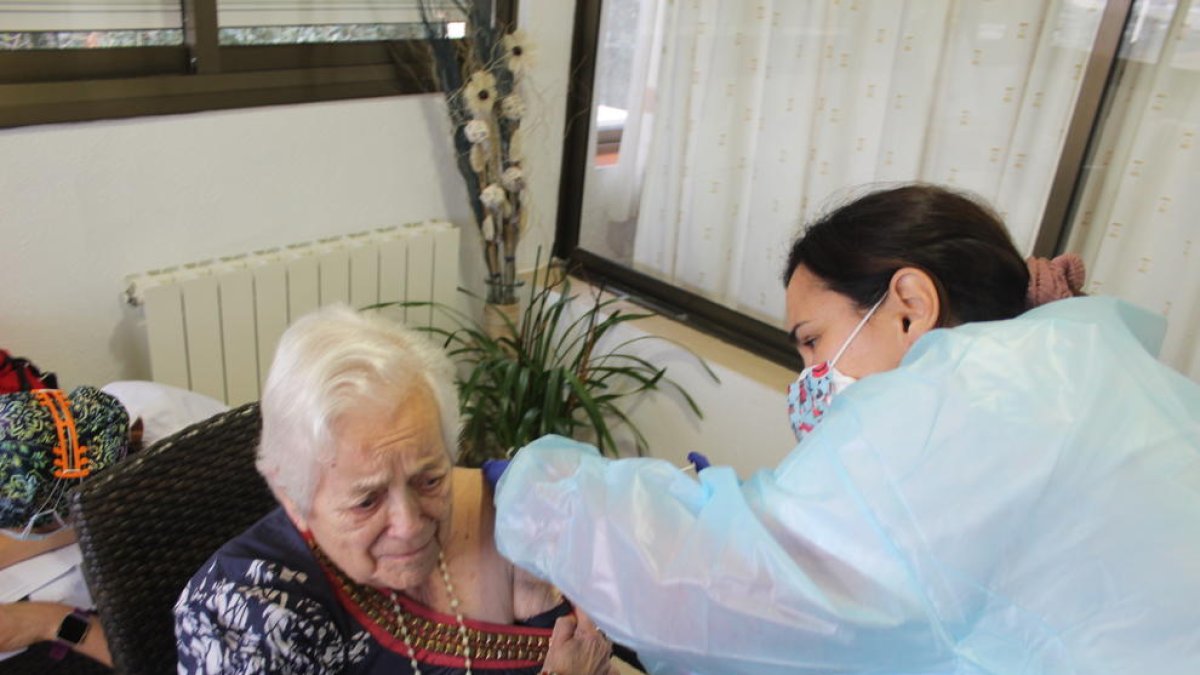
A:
x: 268, y: 602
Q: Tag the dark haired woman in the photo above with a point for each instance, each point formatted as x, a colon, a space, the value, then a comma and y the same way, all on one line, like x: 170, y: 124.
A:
x: 977, y: 489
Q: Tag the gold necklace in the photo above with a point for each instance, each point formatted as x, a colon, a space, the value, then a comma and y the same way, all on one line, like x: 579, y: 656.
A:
x: 402, y: 619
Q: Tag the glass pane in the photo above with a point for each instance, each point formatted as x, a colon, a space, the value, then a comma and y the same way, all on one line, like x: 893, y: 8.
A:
x: 738, y: 121
x: 89, y: 24
x: 621, y: 41
x: 1137, y: 220
x: 290, y: 35
x: 254, y: 22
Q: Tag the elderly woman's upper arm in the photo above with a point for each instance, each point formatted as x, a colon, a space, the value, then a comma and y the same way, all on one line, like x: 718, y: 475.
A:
x: 532, y: 596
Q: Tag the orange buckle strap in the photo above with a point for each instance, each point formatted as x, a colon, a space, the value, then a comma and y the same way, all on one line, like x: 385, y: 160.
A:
x: 70, y: 458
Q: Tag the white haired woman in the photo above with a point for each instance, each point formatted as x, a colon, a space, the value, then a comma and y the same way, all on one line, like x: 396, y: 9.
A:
x: 380, y: 557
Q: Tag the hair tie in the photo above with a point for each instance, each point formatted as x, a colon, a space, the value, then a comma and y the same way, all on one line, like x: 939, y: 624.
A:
x: 1054, y: 279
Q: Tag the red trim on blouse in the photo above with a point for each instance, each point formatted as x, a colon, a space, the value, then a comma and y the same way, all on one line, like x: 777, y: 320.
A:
x: 398, y: 646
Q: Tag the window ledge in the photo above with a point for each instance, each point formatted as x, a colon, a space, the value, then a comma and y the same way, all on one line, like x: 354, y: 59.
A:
x: 715, y: 351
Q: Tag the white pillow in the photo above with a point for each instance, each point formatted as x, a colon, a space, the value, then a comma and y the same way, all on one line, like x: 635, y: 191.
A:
x: 164, y: 409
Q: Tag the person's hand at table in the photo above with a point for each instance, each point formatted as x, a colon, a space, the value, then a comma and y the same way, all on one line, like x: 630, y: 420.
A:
x: 577, y: 647
x: 24, y: 623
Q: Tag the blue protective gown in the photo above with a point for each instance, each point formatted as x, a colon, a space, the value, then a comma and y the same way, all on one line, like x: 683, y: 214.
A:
x: 1019, y: 496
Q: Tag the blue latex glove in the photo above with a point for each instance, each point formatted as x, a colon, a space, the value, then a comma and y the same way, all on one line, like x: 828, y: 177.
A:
x: 492, y: 469
x: 698, y: 460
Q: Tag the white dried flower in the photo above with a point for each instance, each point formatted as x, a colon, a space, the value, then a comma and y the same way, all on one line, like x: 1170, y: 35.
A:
x: 516, y: 143
x: 513, y: 179
x: 478, y: 158
x: 477, y: 131
x: 519, y: 53
x: 488, y: 228
x: 493, y: 197
x: 512, y: 107
x: 480, y: 93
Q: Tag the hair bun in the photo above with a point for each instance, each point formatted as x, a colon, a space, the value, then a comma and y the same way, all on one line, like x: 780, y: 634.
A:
x: 1054, y: 279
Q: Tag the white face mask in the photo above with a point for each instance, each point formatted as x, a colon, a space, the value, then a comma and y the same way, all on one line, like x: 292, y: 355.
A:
x: 811, y: 394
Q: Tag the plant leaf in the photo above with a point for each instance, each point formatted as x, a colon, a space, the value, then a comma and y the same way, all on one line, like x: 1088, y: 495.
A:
x: 604, y: 439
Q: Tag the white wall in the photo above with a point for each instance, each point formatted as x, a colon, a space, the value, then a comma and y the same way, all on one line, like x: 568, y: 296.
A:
x: 745, y: 423
x: 549, y: 24
x: 84, y: 205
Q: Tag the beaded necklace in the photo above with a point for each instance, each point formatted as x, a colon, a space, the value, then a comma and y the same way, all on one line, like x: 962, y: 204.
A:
x: 402, y: 619
x: 384, y: 610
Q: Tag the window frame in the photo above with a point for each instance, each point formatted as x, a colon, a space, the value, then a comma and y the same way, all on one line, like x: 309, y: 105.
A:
x: 739, y: 329
x: 75, y: 85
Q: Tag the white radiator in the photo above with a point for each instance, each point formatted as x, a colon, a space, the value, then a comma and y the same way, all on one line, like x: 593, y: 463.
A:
x: 212, y: 326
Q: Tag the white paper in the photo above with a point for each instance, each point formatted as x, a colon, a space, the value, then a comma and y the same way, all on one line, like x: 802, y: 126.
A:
x: 27, y: 576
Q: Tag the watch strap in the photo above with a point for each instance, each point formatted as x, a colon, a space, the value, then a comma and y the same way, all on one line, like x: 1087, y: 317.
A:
x: 72, y: 631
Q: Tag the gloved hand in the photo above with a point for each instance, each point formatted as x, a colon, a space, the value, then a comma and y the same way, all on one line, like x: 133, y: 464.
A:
x: 698, y: 460
x: 492, y: 469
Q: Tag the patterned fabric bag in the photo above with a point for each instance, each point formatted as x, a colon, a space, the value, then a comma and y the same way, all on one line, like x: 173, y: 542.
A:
x: 49, y: 443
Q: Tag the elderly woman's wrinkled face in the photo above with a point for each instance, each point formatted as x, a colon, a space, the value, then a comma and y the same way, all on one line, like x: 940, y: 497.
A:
x: 380, y: 509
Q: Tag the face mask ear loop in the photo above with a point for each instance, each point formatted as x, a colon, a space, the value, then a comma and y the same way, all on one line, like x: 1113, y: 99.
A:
x: 854, y: 333
x: 45, y: 509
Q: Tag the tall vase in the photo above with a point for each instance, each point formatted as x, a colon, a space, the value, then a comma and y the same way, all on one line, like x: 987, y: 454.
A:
x: 502, y: 311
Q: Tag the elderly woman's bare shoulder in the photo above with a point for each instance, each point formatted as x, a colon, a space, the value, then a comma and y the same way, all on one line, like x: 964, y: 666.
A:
x: 474, y: 520
x: 474, y: 513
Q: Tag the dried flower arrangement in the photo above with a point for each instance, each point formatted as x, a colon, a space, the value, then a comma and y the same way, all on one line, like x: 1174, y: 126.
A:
x: 481, y: 77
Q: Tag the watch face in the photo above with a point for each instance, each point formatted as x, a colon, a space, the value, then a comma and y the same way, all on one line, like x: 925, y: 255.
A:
x: 72, y: 629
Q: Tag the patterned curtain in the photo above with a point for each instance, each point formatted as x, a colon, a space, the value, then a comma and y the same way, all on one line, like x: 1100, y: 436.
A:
x: 755, y: 116
x: 1137, y: 223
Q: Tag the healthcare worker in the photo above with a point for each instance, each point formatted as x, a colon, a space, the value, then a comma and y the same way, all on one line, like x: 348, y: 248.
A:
x: 977, y: 488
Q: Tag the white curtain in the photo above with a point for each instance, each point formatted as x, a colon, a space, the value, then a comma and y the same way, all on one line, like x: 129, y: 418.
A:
x: 234, y: 13
x: 43, y: 15
x: 755, y: 116
x: 613, y: 188
x: 82, y: 15
x: 1137, y: 223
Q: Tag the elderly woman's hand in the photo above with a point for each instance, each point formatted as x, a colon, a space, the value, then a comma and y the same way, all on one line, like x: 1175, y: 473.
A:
x: 577, y: 647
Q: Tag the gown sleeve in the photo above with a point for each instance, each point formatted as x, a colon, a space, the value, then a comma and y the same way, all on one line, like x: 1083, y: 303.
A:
x: 713, y: 572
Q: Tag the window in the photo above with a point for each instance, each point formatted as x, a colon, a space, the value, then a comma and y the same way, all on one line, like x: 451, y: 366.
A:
x: 73, y: 60
x: 706, y: 132
x: 29, y: 25
x: 617, y: 56
x: 1135, y: 218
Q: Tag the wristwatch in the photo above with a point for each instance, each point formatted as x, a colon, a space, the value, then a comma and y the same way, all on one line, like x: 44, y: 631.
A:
x: 72, y: 631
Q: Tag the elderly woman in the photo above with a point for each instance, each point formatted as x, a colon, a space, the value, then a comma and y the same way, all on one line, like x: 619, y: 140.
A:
x: 380, y: 558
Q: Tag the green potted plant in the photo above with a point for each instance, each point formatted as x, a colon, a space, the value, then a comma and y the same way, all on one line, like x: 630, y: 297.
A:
x: 549, y: 373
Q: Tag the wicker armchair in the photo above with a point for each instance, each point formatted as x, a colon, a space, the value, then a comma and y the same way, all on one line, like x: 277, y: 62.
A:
x: 147, y: 525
